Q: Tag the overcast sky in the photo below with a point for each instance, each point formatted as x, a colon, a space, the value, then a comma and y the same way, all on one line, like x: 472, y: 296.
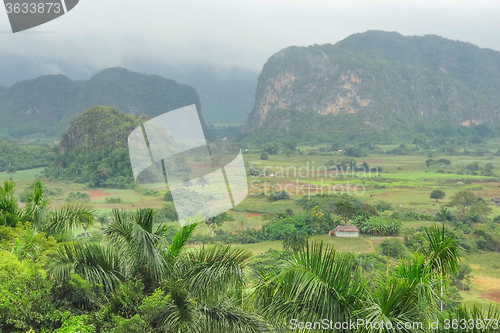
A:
x: 102, y: 33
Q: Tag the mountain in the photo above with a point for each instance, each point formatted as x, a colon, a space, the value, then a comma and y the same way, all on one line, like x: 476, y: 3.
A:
x: 2, y: 91
x: 375, y: 82
x: 45, y: 106
x: 94, y: 149
x: 227, y: 94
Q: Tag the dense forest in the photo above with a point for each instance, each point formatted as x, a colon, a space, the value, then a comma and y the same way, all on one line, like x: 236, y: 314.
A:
x: 18, y: 156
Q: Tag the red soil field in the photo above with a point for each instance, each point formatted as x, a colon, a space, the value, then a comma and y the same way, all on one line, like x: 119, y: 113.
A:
x: 492, y: 296
x: 98, y: 193
x: 253, y: 215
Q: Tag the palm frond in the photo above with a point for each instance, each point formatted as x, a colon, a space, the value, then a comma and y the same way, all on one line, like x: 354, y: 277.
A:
x: 394, y: 302
x: 145, y: 219
x: 120, y: 229
x: 318, y: 284
x: 226, y: 317
x: 174, y: 313
x: 179, y: 241
x: 97, y: 264
x: 471, y: 319
x: 443, y: 254
x: 8, y: 188
x: 131, y: 236
x: 211, y: 271
x: 68, y: 218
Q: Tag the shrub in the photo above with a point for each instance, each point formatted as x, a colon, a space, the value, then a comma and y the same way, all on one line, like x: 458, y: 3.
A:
x: 74, y: 325
x: 26, y: 296
x: 437, y: 194
x: 444, y: 161
x: 264, y: 156
x: 393, y: 247
x: 379, y: 226
x: 170, y: 213
x: 278, y: 195
x: 383, y: 206
x: 168, y: 197
x: 78, y: 196
x: 113, y: 200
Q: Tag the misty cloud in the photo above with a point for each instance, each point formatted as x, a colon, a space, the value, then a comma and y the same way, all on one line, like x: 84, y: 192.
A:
x: 224, y: 33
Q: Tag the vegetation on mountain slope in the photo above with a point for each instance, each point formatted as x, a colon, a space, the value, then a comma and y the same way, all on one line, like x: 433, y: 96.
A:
x: 94, y: 150
x: 17, y: 156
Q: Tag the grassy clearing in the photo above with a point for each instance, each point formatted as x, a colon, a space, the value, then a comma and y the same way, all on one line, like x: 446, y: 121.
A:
x: 485, y: 277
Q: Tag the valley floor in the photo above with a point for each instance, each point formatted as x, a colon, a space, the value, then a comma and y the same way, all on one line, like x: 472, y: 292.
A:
x: 405, y: 182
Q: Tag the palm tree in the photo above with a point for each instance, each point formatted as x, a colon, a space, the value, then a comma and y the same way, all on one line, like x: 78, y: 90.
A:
x: 193, y: 289
x: 134, y: 238
x: 318, y: 283
x: 203, y: 182
x: 216, y: 221
x: 442, y: 254
x: 55, y: 223
x: 187, y: 183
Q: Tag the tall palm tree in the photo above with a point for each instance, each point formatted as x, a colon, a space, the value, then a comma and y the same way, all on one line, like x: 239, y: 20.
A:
x: 442, y: 254
x: 141, y: 247
x: 318, y: 283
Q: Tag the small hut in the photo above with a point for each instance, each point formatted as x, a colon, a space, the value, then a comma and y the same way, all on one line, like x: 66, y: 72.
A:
x: 345, y: 231
x: 495, y: 201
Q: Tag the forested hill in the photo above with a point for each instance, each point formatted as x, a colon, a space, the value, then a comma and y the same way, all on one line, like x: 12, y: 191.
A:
x: 94, y: 149
x: 376, y: 81
x: 2, y: 91
x: 45, y: 106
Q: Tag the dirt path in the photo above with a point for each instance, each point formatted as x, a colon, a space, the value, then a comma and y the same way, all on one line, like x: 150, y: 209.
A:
x: 492, y: 296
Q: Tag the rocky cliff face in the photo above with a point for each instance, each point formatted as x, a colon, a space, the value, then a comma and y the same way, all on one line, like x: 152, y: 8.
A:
x: 385, y: 78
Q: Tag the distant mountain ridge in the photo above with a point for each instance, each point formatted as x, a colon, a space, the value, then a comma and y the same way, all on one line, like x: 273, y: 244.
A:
x: 46, y: 105
x: 227, y: 94
x: 380, y: 80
